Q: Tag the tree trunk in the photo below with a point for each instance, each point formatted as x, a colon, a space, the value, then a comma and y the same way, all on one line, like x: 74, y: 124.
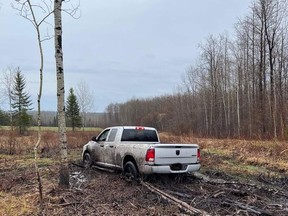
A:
x: 36, y: 156
x: 64, y: 169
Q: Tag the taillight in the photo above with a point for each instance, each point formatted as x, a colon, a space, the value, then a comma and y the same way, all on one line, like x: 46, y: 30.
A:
x: 140, y: 128
x: 150, y: 155
x: 198, y: 155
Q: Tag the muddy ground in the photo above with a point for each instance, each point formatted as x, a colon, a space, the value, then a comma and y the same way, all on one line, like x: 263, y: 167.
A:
x: 97, y: 192
x: 213, y: 192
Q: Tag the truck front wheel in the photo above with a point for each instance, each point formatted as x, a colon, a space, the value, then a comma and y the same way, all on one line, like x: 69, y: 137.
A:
x: 130, y: 172
x: 87, y: 160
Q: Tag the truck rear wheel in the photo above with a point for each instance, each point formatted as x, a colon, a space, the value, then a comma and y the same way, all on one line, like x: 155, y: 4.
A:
x: 130, y: 172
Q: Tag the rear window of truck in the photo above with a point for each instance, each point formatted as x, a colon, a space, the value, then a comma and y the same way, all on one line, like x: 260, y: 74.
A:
x: 139, y: 135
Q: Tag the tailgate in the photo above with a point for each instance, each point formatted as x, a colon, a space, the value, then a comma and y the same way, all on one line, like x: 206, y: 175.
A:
x: 175, y: 153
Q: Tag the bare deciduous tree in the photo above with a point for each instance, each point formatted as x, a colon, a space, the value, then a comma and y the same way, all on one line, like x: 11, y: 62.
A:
x: 7, y: 83
x: 86, y: 100
x: 27, y: 10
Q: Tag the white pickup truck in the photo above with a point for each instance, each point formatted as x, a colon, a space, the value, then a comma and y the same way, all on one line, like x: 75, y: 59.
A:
x: 137, y: 151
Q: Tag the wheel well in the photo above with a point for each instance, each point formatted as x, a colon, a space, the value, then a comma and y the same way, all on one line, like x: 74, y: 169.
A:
x: 130, y: 158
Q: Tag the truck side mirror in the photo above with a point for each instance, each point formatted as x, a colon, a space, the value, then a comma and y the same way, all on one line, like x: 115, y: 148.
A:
x: 94, y: 138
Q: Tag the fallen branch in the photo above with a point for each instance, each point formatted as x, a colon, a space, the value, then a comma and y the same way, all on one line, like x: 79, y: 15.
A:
x: 207, y: 179
x: 282, y: 152
x: 182, y: 205
x: 65, y: 204
x: 248, y: 208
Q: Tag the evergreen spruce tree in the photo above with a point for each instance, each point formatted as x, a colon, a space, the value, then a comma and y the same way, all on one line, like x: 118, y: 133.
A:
x: 20, y: 103
x: 73, y: 111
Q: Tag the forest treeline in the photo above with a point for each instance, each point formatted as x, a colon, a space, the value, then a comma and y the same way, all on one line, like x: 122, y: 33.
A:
x: 237, y: 87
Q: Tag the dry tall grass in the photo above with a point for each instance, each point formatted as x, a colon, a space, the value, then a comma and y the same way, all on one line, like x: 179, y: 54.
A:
x: 25, y: 144
x: 232, y: 154
x: 250, y: 156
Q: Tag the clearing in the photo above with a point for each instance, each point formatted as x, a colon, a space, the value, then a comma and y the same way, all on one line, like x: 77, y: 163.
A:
x: 238, y: 177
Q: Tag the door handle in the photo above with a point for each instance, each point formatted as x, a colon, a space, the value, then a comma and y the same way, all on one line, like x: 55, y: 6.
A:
x: 111, y: 146
x: 102, y: 145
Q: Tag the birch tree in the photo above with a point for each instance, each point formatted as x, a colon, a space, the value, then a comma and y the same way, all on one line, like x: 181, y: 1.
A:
x: 64, y: 168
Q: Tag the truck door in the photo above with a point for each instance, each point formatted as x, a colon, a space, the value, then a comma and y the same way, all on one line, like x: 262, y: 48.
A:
x: 101, y: 140
x: 109, y: 148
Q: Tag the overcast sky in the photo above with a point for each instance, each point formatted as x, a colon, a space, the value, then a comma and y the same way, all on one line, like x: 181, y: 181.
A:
x: 122, y: 49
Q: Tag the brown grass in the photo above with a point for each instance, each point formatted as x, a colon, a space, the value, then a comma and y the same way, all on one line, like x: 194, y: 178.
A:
x: 239, y: 156
x: 25, y: 144
x: 271, y: 155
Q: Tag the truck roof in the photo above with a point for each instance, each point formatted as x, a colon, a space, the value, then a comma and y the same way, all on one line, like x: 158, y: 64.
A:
x: 134, y: 127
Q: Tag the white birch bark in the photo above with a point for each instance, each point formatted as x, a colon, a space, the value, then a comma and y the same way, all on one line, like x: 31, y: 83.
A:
x: 64, y: 169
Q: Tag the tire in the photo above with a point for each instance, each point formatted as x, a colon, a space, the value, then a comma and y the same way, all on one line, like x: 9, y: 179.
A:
x: 130, y: 172
x: 87, y: 160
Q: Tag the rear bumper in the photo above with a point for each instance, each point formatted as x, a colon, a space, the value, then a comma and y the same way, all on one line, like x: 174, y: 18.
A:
x: 166, y: 169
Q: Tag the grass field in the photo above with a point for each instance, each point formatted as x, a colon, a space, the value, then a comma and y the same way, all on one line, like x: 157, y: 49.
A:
x: 240, y: 157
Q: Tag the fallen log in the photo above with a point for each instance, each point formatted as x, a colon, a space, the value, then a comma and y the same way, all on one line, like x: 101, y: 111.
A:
x: 182, y: 205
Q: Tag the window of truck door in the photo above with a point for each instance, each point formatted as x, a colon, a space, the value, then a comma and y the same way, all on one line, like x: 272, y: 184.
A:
x: 103, y: 136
